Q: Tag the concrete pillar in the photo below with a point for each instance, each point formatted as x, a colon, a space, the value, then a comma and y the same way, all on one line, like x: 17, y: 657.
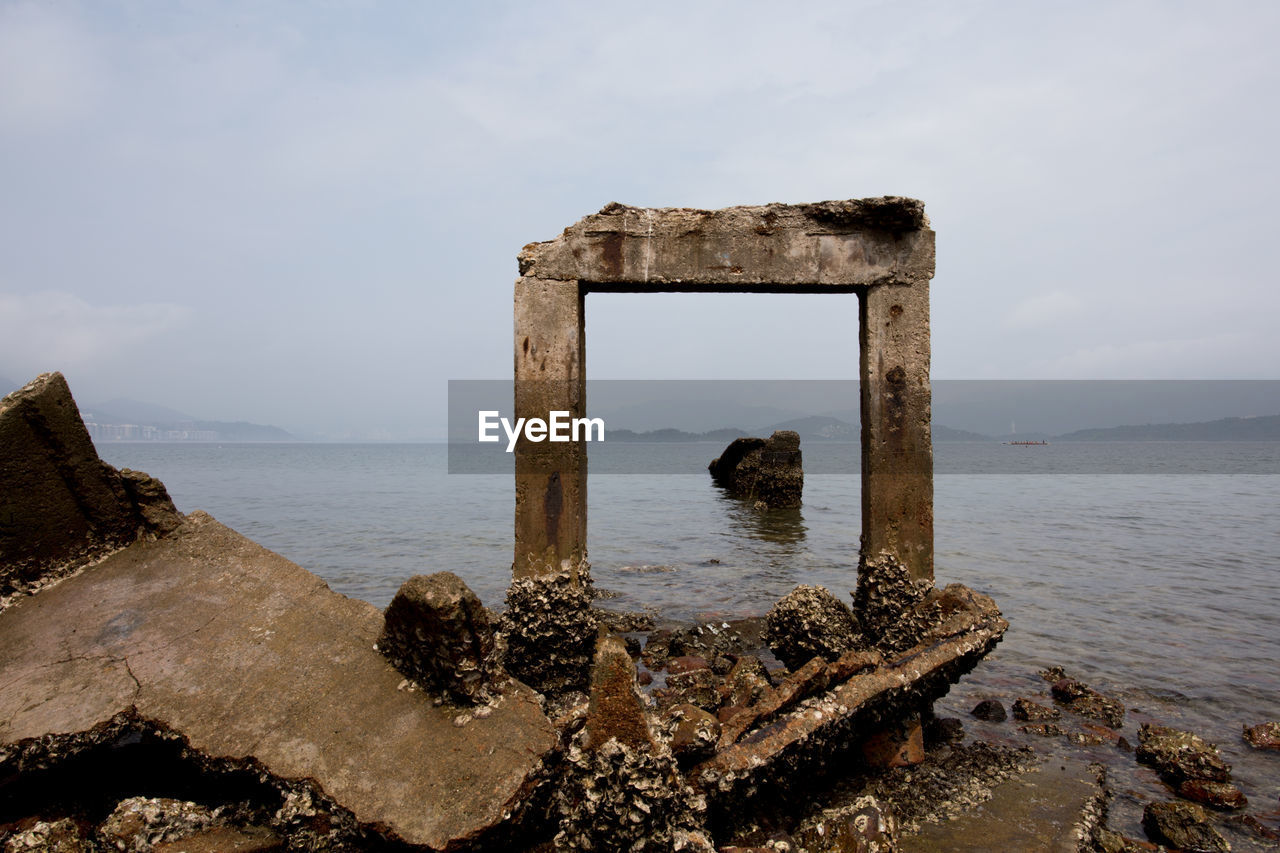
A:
x: 551, y: 478
x: 897, y: 445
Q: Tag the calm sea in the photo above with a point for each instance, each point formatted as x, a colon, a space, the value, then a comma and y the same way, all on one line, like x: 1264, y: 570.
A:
x: 1160, y: 588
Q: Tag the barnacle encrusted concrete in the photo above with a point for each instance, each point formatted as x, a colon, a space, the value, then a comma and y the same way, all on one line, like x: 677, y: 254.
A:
x: 882, y: 249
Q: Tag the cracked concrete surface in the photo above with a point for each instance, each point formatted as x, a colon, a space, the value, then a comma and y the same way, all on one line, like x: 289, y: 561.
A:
x: 250, y: 656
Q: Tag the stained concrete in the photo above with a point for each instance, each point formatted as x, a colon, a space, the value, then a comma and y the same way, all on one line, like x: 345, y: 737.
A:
x: 251, y: 657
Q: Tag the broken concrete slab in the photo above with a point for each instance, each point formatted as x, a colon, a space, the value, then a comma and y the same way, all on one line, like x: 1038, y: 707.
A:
x: 61, y: 506
x: 798, y: 740
x: 810, y: 621
x: 255, y: 660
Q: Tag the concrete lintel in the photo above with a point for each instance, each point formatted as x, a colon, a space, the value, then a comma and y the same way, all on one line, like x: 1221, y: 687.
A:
x: 836, y: 243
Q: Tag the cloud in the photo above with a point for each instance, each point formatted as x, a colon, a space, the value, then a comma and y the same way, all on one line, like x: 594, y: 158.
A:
x: 1044, y: 310
x: 47, y: 75
x: 51, y: 330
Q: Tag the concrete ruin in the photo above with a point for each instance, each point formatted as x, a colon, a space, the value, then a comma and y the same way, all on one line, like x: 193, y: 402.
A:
x: 880, y: 249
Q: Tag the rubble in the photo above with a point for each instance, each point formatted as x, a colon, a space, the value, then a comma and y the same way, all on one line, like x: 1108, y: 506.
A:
x: 437, y: 633
x: 1034, y: 712
x: 1084, y: 701
x: 1178, y: 756
x: 768, y: 471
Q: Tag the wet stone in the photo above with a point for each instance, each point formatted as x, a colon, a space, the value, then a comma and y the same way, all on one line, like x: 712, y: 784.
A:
x: 810, y: 621
x: 549, y: 631
x: 1084, y: 701
x: 1044, y: 729
x: 436, y: 632
x: 686, y: 663
x: 1034, y: 712
x: 1263, y: 736
x: 698, y: 687
x: 1183, y: 826
x: 1222, y: 796
x: 1177, y: 755
x: 990, y: 710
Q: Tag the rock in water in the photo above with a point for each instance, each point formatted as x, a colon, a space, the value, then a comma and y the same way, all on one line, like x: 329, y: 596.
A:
x: 990, y: 710
x: 549, y: 630
x: 1263, y: 736
x: 1178, y: 755
x: 765, y: 470
x: 1183, y: 826
x: 809, y: 621
x: 437, y: 633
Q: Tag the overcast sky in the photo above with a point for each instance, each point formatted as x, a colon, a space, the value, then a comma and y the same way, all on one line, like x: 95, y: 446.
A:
x: 308, y: 214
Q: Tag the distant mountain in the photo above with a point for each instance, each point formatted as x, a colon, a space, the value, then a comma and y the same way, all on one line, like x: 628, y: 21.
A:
x: 1264, y: 428
x: 818, y: 428
x: 7, y: 386
x: 122, y: 411
x: 946, y: 433
x: 161, y: 423
x: 674, y: 435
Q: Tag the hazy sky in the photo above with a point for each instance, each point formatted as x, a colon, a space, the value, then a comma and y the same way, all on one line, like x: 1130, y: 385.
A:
x: 308, y: 214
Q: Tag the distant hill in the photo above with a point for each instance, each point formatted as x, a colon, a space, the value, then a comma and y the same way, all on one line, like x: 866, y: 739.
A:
x: 946, y: 433
x: 674, y: 435
x: 1264, y: 428
x: 161, y: 423
x: 817, y: 428
x: 7, y: 386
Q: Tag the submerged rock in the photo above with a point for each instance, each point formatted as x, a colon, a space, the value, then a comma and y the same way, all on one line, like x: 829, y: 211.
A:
x: 1263, y: 736
x: 990, y: 710
x: 1084, y: 701
x: 549, y: 631
x: 1222, y: 796
x: 1034, y: 712
x: 768, y: 471
x: 1177, y: 755
x: 1183, y: 826
x: 809, y: 621
x: 437, y: 633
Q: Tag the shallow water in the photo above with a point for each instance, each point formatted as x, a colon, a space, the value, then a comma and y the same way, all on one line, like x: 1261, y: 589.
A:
x: 1163, y: 589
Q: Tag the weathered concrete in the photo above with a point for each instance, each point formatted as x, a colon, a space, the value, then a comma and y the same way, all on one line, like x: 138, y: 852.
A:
x: 551, y: 477
x: 254, y: 659
x: 880, y: 248
x: 833, y: 243
x: 60, y: 505
x: 897, y: 439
